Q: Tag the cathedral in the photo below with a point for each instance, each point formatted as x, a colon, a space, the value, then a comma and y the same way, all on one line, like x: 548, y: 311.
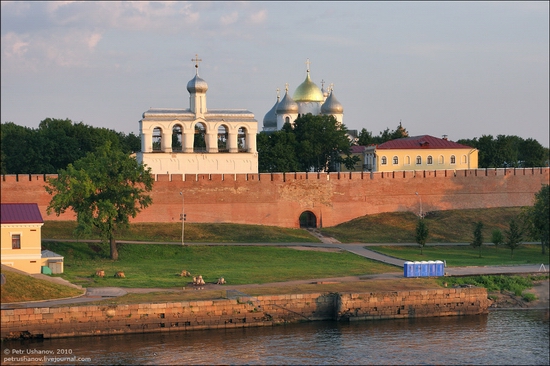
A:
x: 307, y: 98
x: 198, y: 140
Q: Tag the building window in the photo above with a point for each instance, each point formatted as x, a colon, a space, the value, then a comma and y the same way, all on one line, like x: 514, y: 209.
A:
x: 441, y: 159
x: 430, y: 160
x: 453, y: 159
x: 418, y: 160
x: 383, y: 160
x: 407, y: 160
x: 464, y: 159
x: 395, y: 160
x: 16, y: 241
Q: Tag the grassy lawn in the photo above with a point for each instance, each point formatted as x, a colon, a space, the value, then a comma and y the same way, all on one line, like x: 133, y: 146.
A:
x: 194, y: 233
x: 373, y: 285
x: 159, y: 265
x: 452, y: 226
x: 19, y: 287
x: 465, y: 255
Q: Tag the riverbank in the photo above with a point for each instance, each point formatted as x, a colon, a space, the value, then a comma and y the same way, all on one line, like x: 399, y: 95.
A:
x: 240, y: 311
x: 508, y: 300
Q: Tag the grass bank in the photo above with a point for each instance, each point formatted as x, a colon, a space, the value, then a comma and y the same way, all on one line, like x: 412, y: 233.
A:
x: 193, y: 232
x: 159, y: 265
x: 466, y: 255
x: 20, y: 287
x: 514, y: 284
x: 451, y: 226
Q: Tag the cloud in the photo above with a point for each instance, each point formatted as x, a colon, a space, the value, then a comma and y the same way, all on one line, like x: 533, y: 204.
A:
x: 14, y: 45
x: 93, y: 40
x: 229, y: 18
x: 258, y: 17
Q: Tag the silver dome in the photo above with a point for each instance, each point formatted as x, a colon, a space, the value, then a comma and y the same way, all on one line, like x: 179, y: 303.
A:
x: 332, y: 105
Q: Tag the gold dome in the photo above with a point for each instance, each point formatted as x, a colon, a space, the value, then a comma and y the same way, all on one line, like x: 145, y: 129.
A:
x: 308, y: 92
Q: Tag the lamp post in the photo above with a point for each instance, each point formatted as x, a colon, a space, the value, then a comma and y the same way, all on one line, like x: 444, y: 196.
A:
x: 420, y: 198
x: 182, y: 218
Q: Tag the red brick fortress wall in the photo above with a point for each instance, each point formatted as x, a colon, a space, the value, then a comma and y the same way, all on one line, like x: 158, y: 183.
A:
x: 279, y: 199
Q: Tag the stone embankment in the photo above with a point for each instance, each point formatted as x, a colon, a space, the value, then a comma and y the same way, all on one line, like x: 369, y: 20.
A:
x: 244, y: 311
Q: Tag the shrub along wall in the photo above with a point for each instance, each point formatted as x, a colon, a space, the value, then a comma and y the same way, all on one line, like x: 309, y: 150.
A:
x: 241, y: 312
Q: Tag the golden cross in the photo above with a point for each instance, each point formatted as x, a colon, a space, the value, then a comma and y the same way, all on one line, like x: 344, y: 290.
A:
x: 307, y: 63
x: 196, y: 60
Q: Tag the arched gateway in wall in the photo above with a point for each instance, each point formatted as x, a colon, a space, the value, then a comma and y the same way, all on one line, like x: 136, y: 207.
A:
x: 198, y: 140
x: 308, y: 220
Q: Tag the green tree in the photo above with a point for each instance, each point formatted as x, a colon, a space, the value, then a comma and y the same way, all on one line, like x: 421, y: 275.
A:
x: 537, y: 217
x: 277, y: 152
x: 365, y: 138
x: 104, y: 189
x: 319, y: 141
x: 422, y: 233
x: 497, y: 238
x: 514, y: 236
x: 477, y: 241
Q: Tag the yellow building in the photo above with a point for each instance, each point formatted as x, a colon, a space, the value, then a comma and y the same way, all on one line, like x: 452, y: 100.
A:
x: 21, y: 225
x: 423, y: 152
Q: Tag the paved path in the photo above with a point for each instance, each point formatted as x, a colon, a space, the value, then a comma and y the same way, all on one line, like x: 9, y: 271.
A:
x: 100, y: 293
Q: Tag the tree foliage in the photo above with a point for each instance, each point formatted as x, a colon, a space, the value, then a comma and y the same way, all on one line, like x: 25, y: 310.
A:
x: 55, y: 144
x: 514, y: 236
x: 508, y: 151
x: 537, y: 217
x: 477, y: 241
x: 366, y: 138
x: 497, y: 238
x: 311, y: 143
x: 104, y: 189
x: 422, y: 233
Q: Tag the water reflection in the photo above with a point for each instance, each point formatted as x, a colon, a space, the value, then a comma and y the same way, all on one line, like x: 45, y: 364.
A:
x: 508, y: 337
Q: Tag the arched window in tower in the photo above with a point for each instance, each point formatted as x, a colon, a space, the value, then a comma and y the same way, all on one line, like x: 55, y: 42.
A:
x: 430, y: 160
x: 242, y: 139
x: 157, y: 139
x: 177, y: 138
x: 199, y: 143
x: 223, y: 135
x: 287, y: 119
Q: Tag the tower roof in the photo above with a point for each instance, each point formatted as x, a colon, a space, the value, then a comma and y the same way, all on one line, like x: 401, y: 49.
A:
x: 197, y: 84
x: 270, y: 119
x: 332, y: 105
x: 287, y: 105
x: 308, y: 91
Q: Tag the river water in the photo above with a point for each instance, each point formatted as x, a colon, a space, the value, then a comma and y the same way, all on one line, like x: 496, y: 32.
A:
x: 499, y: 338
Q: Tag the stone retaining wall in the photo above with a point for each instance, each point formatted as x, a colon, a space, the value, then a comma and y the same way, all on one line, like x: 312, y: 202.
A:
x: 242, y: 312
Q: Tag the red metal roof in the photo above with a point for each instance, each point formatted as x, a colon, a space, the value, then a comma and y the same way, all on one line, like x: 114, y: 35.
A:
x: 421, y: 142
x: 20, y: 213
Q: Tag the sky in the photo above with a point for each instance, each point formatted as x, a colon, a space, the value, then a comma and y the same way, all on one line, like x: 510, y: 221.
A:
x: 462, y: 69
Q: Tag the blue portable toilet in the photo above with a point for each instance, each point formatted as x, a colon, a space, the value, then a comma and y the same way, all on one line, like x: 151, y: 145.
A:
x: 424, y: 269
x: 417, y: 269
x: 439, y: 268
x: 431, y: 271
x: 408, y: 269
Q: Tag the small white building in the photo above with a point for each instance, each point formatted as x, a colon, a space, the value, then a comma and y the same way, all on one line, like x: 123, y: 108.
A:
x: 198, y: 140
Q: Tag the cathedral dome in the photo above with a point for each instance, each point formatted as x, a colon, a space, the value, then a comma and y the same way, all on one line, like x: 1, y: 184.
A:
x: 197, y: 85
x: 308, y: 91
x: 287, y: 105
x: 270, y: 119
x: 332, y: 105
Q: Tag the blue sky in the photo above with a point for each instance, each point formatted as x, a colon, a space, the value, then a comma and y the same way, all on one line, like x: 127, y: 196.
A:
x: 463, y: 69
